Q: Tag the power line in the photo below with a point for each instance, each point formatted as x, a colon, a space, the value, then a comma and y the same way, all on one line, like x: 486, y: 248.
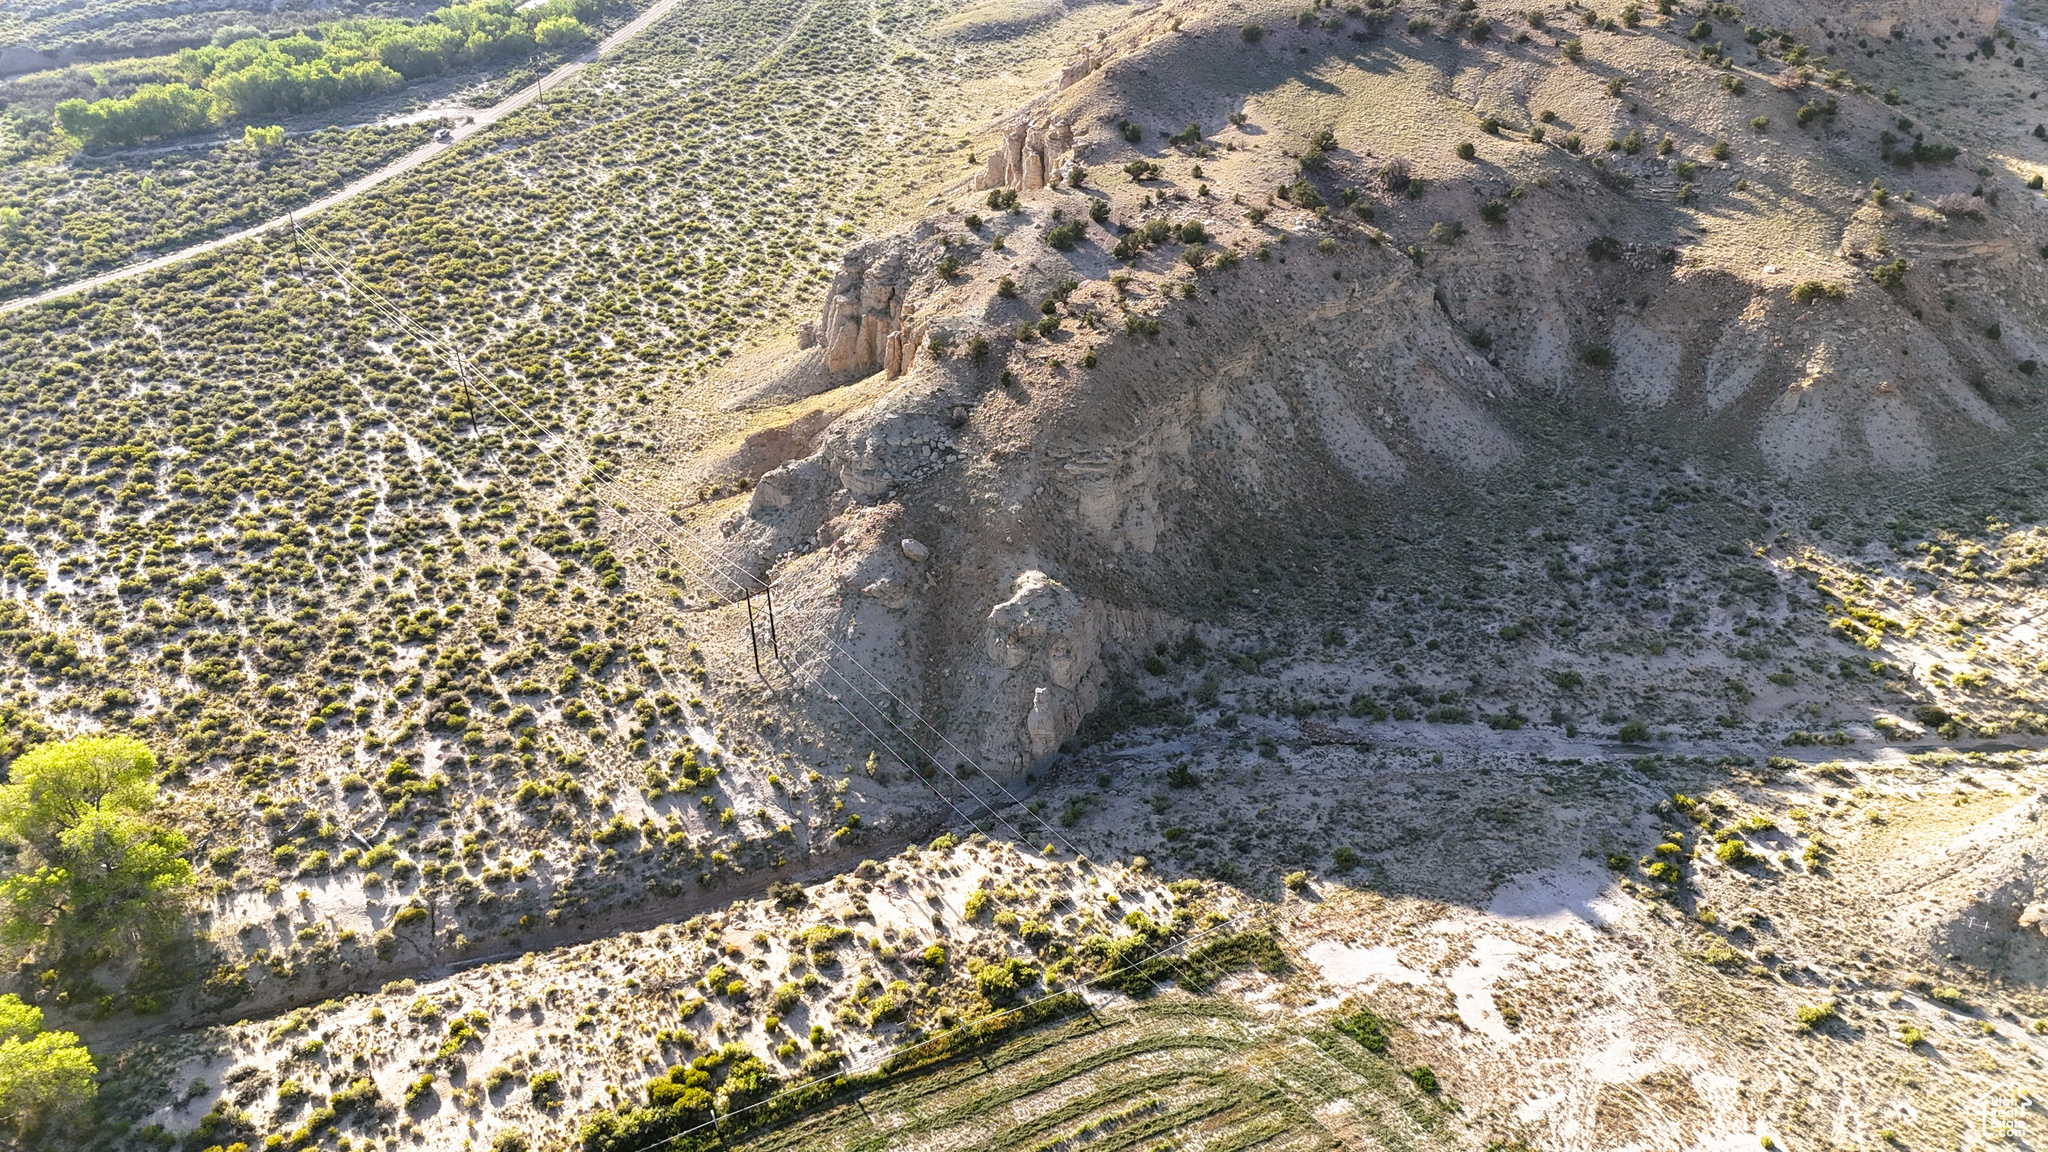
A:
x: 716, y: 556
x: 705, y: 555
x: 433, y: 345
x: 412, y: 328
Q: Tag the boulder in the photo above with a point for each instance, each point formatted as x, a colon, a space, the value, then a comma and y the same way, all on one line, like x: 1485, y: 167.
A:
x: 889, y: 592
x: 1045, y: 642
x: 2035, y: 916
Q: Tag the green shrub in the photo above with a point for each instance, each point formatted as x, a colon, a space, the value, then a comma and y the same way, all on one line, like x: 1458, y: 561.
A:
x: 1736, y: 854
x: 1372, y: 1031
x: 1064, y: 236
x: 1633, y: 732
x: 1807, y: 1017
x: 361, y: 1097
x: 1005, y: 981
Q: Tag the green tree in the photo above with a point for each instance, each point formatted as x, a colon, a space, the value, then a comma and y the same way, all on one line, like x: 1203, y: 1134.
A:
x: 153, y: 110
x: 42, y: 1074
x: 558, y: 31
x: 264, y: 140
x: 18, y: 1021
x: 91, y: 869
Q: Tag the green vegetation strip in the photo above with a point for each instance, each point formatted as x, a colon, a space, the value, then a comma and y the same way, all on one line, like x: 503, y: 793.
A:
x: 687, y: 1130
x: 1383, y: 1079
x: 1060, y: 1073
x: 252, y: 75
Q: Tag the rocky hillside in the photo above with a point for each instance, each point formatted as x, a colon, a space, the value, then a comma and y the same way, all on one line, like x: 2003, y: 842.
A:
x: 1232, y: 282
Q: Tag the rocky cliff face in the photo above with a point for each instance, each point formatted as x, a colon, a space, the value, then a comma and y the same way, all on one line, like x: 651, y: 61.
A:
x: 870, y: 321
x: 1059, y: 507
x: 1031, y: 153
x: 1052, y: 525
x: 1043, y: 644
x: 1037, y: 145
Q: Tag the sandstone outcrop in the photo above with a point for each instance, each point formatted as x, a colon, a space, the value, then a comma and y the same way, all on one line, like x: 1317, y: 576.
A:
x: 870, y: 322
x: 1032, y: 150
x: 1076, y: 70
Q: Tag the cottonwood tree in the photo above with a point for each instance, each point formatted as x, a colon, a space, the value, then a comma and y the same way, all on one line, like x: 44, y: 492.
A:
x: 43, y: 1075
x: 91, y: 870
